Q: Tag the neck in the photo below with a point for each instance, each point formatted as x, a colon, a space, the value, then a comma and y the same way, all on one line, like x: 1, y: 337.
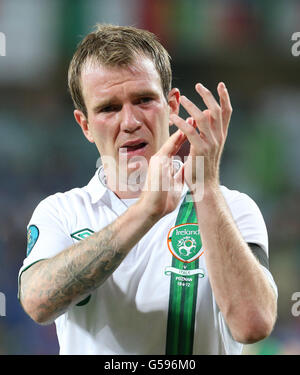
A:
x: 127, y: 194
x: 125, y: 189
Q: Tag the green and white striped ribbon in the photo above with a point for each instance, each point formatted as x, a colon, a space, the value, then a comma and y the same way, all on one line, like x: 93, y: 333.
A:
x: 183, y: 298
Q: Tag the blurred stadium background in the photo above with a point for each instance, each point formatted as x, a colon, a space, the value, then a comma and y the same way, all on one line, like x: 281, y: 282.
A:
x: 246, y: 44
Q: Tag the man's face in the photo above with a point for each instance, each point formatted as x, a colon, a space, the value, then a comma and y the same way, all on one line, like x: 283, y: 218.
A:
x: 127, y: 110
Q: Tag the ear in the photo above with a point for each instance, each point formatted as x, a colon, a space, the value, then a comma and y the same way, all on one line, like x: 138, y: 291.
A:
x: 173, y: 101
x: 84, y: 124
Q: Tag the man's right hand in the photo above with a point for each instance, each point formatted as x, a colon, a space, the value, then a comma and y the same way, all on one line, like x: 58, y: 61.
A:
x: 163, y: 186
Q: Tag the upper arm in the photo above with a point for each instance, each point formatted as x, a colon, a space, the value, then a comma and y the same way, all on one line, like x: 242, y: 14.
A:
x: 47, y: 236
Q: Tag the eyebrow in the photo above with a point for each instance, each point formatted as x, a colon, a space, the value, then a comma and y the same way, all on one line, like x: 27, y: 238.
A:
x: 114, y: 100
x: 105, y: 103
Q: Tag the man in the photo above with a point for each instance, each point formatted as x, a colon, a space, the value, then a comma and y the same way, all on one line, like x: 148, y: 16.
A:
x: 126, y: 268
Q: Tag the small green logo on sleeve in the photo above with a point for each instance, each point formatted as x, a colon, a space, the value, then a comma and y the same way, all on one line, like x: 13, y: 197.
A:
x: 82, y: 234
x: 32, y: 237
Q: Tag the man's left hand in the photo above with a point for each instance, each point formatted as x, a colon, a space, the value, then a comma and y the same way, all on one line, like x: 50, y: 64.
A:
x: 208, y: 142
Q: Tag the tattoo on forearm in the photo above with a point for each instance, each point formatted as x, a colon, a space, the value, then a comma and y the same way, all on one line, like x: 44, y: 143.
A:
x: 77, y: 271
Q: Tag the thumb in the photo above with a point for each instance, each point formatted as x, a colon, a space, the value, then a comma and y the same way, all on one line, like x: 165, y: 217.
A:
x: 173, y: 143
x: 179, y: 179
x: 191, y: 121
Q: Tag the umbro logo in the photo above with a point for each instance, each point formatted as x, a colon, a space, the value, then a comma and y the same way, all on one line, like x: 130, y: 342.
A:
x: 82, y: 234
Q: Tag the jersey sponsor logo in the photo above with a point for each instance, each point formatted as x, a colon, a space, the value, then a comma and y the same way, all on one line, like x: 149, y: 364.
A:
x: 82, y: 234
x: 184, y: 242
x: 32, y: 237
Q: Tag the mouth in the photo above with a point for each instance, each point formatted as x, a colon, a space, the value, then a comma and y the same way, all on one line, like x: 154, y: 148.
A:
x: 134, y: 148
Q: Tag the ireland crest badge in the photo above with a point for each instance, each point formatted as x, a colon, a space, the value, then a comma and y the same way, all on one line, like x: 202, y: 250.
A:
x: 184, y: 242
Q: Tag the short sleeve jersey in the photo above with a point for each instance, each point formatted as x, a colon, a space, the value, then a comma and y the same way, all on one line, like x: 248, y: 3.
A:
x: 128, y: 313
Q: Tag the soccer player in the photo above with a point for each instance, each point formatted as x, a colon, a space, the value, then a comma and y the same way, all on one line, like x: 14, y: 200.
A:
x: 125, y: 265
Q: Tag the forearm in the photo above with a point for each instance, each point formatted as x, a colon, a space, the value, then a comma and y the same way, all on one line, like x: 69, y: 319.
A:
x: 65, y: 279
x: 240, y: 286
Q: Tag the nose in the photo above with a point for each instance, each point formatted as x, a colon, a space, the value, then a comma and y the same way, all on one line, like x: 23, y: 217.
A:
x: 129, y: 121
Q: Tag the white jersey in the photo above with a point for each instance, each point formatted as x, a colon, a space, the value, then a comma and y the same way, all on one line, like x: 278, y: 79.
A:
x: 128, y: 313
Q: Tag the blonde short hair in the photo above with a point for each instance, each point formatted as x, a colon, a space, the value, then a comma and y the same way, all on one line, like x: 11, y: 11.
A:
x: 113, y: 46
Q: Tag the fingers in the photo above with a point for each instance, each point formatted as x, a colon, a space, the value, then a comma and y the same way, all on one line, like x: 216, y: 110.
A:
x: 162, y: 176
x: 191, y: 121
x: 210, y: 101
x: 225, y: 105
x: 173, y: 144
x: 179, y: 179
x: 196, y: 114
x: 202, y: 118
x: 212, y: 122
x: 186, y: 128
x: 218, y: 115
x: 219, y: 112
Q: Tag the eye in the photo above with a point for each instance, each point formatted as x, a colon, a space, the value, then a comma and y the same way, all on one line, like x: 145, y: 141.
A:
x: 110, y: 108
x: 144, y: 100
